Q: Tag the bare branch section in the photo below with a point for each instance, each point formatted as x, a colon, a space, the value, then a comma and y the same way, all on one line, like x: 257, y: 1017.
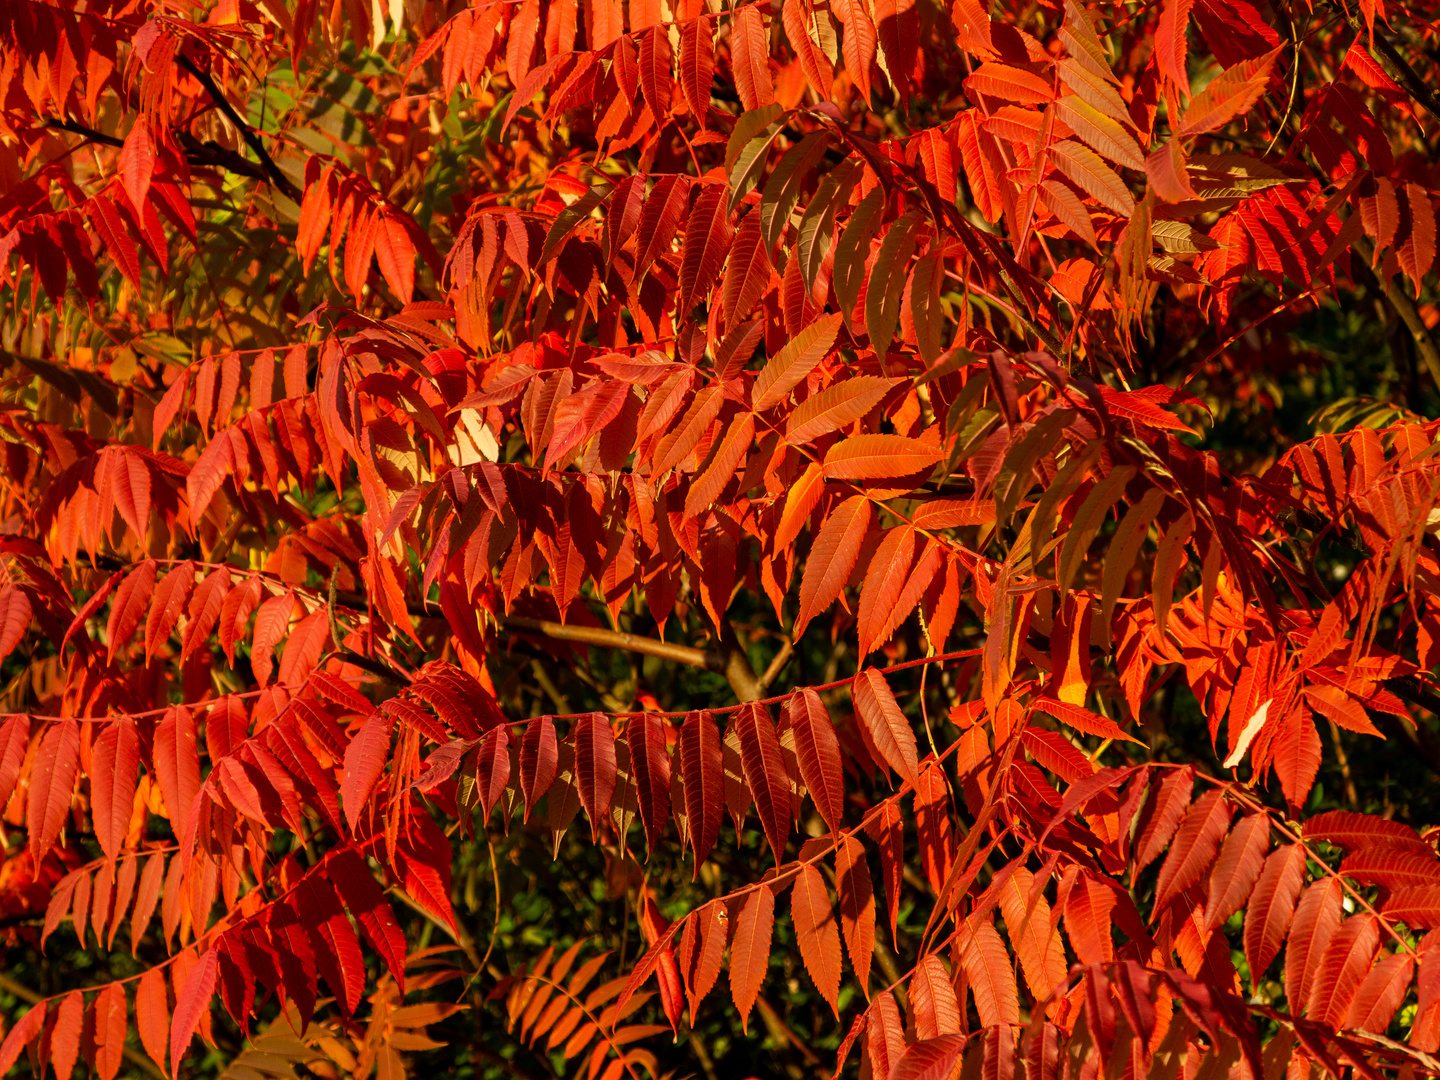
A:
x: 730, y: 662
x: 206, y: 155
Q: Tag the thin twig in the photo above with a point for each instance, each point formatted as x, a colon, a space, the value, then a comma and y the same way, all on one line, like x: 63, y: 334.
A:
x: 616, y: 639
x: 1401, y: 303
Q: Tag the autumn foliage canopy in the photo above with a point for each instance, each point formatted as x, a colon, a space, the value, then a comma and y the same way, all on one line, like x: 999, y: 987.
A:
x: 512, y: 510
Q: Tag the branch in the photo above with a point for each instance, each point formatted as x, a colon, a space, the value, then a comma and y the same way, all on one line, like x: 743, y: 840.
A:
x: 738, y: 672
x: 89, y: 133
x: 1399, y: 69
x: 1395, y: 296
x: 777, y: 665
x: 616, y: 639
x: 206, y: 155
x: 1390, y: 58
x: 278, y: 178
x: 731, y: 661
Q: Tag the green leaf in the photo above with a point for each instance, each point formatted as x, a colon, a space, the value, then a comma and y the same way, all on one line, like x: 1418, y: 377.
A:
x: 782, y: 190
x: 852, y: 251
x: 887, y: 282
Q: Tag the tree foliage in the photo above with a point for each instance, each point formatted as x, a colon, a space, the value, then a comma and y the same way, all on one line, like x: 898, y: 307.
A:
x: 779, y: 489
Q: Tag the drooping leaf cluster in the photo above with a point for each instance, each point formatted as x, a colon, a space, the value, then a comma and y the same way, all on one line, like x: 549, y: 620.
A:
x: 787, y: 428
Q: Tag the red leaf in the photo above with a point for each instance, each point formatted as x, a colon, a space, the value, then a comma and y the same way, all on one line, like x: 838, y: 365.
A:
x: 191, y: 1001
x: 14, y: 618
x: 595, y: 768
x: 137, y: 164
x: 656, y: 82
x: 991, y: 973
x: 271, y: 623
x: 701, y: 951
x: 1194, y: 847
x: 983, y: 167
x: 1316, y: 920
x: 1391, y: 868
x: 362, y: 897
x: 750, y: 57
x: 425, y: 856
x: 817, y: 751
x: 206, y: 604
x: 660, y: 217
x: 858, y: 44
x: 365, y: 760
x: 152, y: 1013
x: 113, y: 776
x: 337, y: 949
x: 1011, y: 84
x: 885, y: 579
x: 208, y: 474
x: 1088, y: 922
x: 110, y: 1025
x: 539, y: 760
x: 1380, y: 995
x: 889, y: 730
x: 148, y: 895
x: 90, y: 607
x: 1344, y: 963
x: 697, y: 66
x: 750, y: 950
x: 747, y: 271
x: 1090, y: 173
x: 707, y: 487
x: 1171, y: 46
x: 832, y: 558
x: 65, y: 1035
x: 706, y: 243
x: 1417, y: 906
x: 817, y: 933
x: 1296, y: 753
x: 876, y: 457
x: 885, y: 1035
x: 132, y: 599
x: 395, y: 253
x: 764, y: 765
x: 24, y: 1031
x: 1352, y: 831
x: 304, y: 648
x: 650, y: 761
x: 52, y: 782
x: 835, y: 407
x: 177, y: 765
x: 898, y: 27
x: 1334, y: 703
x: 1170, y: 801
x: 930, y: 1059
x: 794, y: 362
x: 798, y: 17
x: 857, y: 907
x: 14, y: 741
x: 492, y: 767
x: 1084, y: 720
x: 235, y: 612
x: 442, y: 765
x: 118, y: 243
x: 1416, y: 252
x: 1241, y: 861
x: 932, y: 999
x: 1226, y: 96
x: 702, y: 768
